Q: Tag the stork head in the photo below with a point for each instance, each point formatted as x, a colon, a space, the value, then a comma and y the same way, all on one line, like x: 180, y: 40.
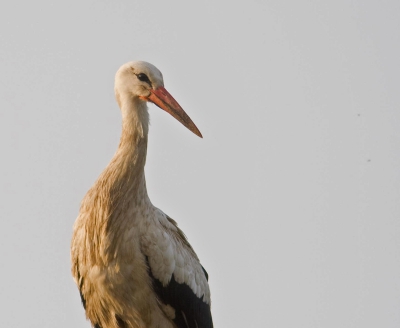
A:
x: 143, y: 82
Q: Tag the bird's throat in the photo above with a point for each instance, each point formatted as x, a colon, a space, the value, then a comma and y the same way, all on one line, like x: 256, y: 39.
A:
x: 126, y: 169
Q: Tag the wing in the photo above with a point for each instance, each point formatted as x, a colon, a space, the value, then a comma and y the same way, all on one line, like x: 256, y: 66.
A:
x: 179, y: 280
x: 190, y: 310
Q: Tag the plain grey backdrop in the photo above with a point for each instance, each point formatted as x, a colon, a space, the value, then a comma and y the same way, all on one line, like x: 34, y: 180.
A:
x: 291, y: 200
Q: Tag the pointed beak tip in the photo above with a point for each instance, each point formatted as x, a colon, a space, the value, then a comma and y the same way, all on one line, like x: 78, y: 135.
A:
x: 195, y: 130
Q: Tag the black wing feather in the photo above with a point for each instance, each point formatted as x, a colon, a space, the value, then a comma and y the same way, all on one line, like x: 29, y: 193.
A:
x: 190, y: 310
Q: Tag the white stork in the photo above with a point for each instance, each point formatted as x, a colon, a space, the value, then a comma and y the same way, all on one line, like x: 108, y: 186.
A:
x: 132, y: 264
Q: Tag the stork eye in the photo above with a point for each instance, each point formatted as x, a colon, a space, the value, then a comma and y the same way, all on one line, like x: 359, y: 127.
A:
x: 143, y: 77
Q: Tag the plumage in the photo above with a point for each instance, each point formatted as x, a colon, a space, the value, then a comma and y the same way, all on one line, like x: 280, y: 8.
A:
x: 132, y: 264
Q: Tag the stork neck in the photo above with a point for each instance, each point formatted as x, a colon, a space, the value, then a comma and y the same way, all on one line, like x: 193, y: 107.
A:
x: 130, y: 158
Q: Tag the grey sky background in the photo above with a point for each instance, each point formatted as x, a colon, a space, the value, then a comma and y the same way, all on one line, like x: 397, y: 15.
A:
x: 291, y: 200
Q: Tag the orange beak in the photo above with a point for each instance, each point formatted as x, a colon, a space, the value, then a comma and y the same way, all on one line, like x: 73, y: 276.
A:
x: 162, y: 98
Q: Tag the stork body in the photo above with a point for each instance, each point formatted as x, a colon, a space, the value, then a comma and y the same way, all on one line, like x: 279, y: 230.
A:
x: 133, y: 266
